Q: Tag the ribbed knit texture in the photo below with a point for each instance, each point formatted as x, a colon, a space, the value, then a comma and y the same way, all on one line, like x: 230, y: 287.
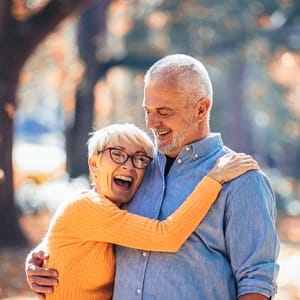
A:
x: 82, y: 233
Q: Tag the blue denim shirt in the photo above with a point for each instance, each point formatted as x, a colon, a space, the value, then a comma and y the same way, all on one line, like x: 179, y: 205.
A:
x: 231, y: 253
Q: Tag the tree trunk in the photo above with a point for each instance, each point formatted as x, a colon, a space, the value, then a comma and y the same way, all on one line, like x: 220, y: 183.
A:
x: 236, y: 133
x: 91, y: 29
x: 18, y: 39
x: 10, y: 232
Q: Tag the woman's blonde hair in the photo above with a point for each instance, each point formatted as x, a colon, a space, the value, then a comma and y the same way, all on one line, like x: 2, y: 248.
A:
x: 111, y: 134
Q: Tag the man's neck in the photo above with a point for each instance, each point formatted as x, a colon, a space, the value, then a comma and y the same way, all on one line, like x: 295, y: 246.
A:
x: 169, y: 163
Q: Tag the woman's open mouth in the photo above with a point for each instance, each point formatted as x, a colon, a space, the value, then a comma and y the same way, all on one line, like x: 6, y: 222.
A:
x: 123, y: 181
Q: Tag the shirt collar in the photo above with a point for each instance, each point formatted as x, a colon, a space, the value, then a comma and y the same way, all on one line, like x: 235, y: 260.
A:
x: 200, y: 148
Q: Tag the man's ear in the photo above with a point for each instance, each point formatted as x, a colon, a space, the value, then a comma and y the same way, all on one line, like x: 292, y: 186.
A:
x: 202, y: 108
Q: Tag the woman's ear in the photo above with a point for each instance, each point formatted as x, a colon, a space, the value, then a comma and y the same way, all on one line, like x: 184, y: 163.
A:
x: 93, y: 165
x: 202, y: 108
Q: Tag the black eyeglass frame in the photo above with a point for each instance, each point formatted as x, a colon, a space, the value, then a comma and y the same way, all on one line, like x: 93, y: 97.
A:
x: 132, y: 157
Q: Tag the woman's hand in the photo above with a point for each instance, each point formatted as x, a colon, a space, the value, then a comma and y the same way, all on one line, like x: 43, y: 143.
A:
x: 232, y: 165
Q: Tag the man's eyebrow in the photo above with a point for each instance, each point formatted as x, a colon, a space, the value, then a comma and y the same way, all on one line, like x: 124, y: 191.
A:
x: 165, y: 107
x: 159, y: 108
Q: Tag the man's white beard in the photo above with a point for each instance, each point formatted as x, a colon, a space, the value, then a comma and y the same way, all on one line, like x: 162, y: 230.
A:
x: 178, y: 140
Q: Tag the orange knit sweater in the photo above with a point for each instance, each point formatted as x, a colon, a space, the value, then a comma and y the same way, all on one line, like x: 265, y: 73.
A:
x: 82, y: 233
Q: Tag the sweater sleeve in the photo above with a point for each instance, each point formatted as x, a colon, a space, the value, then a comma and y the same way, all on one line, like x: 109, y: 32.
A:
x: 103, y: 221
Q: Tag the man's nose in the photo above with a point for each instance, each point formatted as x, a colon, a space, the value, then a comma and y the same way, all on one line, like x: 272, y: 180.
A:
x: 152, y: 120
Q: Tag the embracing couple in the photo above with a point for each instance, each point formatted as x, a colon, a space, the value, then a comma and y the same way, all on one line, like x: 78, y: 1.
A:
x: 193, y: 220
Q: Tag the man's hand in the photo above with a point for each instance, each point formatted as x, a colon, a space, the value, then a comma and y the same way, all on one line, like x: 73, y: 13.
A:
x: 40, y: 279
x: 253, y: 297
x: 232, y: 165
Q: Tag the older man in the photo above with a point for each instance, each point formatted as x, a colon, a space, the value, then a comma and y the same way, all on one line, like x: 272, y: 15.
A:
x: 233, y: 252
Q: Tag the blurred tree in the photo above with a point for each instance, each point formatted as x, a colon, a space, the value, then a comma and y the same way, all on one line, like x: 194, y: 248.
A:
x: 91, y: 33
x: 98, y: 56
x: 23, y: 25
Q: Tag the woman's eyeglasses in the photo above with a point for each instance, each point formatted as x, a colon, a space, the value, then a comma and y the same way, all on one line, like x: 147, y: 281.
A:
x: 118, y: 156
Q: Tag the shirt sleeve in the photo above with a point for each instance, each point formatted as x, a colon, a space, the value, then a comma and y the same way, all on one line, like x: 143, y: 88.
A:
x: 251, y: 237
x: 103, y: 221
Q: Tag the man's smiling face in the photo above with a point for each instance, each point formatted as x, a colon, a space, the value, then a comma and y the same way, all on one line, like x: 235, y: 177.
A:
x: 168, y: 116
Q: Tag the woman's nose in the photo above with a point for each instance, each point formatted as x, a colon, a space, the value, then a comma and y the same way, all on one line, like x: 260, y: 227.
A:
x: 128, y: 163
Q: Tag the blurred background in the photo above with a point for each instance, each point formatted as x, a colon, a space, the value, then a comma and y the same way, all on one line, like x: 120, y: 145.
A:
x: 68, y: 67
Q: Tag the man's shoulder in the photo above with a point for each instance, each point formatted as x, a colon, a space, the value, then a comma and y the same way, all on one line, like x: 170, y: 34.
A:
x: 253, y: 184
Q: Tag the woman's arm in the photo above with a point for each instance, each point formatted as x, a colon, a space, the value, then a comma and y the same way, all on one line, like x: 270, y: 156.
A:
x: 42, y: 280
x: 105, y: 222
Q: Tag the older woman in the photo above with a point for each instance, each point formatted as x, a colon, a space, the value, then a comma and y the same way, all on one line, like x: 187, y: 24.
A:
x: 82, y: 232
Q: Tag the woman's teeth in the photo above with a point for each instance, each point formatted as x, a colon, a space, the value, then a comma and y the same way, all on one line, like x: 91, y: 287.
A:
x: 122, y: 180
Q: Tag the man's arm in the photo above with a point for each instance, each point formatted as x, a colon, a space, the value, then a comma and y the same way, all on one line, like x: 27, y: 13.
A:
x: 40, y: 279
x: 251, y: 237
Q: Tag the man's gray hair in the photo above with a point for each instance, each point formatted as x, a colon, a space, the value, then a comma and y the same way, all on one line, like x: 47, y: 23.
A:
x: 189, y: 73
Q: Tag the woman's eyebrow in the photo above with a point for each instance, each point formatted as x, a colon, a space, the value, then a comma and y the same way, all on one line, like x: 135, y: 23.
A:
x: 124, y: 149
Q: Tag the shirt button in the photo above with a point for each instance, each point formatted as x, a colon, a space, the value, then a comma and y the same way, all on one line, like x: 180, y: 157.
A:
x: 187, y: 148
x: 196, y: 155
x: 138, y: 291
x: 144, y: 254
x: 179, y: 160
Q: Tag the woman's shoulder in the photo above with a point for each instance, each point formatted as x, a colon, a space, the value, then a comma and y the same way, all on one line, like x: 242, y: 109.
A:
x: 78, y: 199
